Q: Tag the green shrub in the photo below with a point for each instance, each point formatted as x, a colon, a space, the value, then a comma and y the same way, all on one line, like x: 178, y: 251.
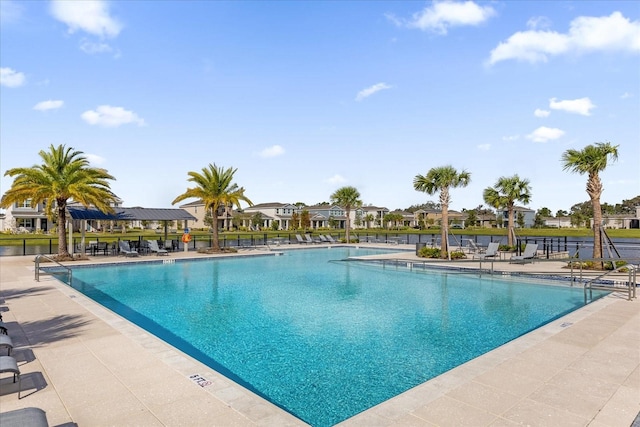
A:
x: 608, y: 265
x: 429, y: 252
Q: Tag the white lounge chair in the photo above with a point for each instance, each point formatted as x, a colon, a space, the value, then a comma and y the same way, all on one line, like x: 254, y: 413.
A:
x: 529, y: 254
x: 153, y: 247
x: 300, y: 239
x: 491, y: 252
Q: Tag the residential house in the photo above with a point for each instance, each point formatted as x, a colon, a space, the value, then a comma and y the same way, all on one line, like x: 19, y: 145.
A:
x: 26, y: 217
x: 620, y: 220
x: 363, y: 213
x: 197, y: 209
x: 502, y: 216
x: 557, y: 222
x: 272, y: 212
x: 408, y: 219
x: 427, y: 217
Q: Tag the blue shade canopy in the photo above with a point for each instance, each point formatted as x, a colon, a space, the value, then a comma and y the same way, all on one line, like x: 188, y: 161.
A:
x: 130, y: 214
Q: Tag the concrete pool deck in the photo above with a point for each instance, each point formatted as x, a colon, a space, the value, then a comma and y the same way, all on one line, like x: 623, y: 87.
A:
x: 83, y: 364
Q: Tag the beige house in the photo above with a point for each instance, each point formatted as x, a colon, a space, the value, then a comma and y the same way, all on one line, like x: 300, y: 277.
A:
x: 26, y: 218
x: 428, y: 217
x: 620, y: 220
x: 273, y: 212
x: 558, y: 222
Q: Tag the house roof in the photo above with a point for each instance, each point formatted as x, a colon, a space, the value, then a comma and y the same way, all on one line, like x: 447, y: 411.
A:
x: 130, y: 214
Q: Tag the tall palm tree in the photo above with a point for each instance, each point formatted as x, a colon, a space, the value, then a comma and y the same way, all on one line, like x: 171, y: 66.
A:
x: 504, y: 194
x: 442, y: 179
x: 64, y: 175
x: 215, y: 187
x: 592, y: 160
x: 348, y: 198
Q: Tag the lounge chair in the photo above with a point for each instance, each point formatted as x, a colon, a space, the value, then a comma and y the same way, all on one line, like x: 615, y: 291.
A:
x: 32, y: 417
x: 300, y: 239
x: 330, y: 239
x: 153, y: 247
x: 5, y: 342
x: 491, y: 252
x: 529, y: 254
x: 322, y: 238
x: 3, y: 327
x: 9, y: 364
x: 126, y: 249
x: 311, y: 240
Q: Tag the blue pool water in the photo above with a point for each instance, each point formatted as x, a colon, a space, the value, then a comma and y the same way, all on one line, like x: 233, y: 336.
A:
x: 324, y: 340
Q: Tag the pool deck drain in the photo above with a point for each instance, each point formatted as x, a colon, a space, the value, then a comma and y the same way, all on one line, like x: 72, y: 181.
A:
x: 83, y: 364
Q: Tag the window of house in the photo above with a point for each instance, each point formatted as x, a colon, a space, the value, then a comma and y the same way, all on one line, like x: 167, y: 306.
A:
x: 24, y: 222
x: 24, y: 204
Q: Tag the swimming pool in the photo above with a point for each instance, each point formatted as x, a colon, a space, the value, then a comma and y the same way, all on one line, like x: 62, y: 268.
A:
x: 323, y: 340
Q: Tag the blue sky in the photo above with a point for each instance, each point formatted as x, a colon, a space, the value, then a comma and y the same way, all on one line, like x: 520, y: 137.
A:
x: 306, y: 97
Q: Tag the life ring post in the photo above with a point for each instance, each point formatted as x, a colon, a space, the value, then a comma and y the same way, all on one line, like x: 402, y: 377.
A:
x: 186, y: 238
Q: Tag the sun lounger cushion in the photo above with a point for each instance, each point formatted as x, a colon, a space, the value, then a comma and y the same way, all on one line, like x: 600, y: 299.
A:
x: 8, y: 364
x: 32, y: 417
x: 5, y: 342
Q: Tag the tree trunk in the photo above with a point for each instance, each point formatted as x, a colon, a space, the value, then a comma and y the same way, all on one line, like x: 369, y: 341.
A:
x: 347, y: 225
x: 214, y: 216
x: 510, y: 241
x: 444, y: 232
x: 62, y: 229
x: 594, y: 189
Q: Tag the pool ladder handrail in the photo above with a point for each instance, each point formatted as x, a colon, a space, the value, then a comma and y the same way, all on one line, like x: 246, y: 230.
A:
x: 630, y: 285
x: 37, y: 274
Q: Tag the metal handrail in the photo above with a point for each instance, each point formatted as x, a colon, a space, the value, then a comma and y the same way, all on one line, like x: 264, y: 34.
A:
x: 631, y: 282
x: 37, y: 260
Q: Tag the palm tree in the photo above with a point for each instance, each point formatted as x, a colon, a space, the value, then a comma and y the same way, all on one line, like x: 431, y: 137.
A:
x: 215, y: 188
x: 347, y: 198
x: 368, y: 219
x: 442, y: 179
x: 504, y: 194
x: 64, y: 175
x: 592, y: 160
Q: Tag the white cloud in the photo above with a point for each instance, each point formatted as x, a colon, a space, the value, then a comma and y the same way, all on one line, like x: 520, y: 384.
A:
x: 511, y: 138
x: 581, y: 106
x: 364, y: 93
x: 484, y: 147
x: 93, y: 48
x: 626, y: 95
x: 544, y: 134
x: 273, y: 151
x: 108, y: 116
x: 541, y: 113
x: 586, y: 34
x: 441, y: 15
x: 48, y: 105
x: 94, y: 159
x: 11, y: 78
x: 336, y: 179
x: 90, y: 16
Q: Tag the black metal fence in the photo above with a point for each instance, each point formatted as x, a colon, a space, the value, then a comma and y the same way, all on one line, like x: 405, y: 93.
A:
x: 16, y: 246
